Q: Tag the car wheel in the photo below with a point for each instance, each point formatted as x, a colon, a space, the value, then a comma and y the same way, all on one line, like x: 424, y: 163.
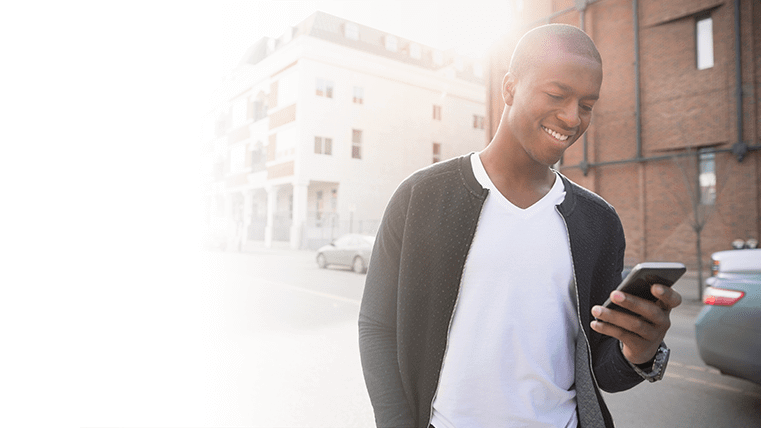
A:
x: 358, y: 265
x: 321, y: 263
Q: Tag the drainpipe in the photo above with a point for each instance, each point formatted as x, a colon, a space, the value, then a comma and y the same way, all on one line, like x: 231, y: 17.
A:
x: 581, y: 6
x: 637, y: 101
x: 740, y: 148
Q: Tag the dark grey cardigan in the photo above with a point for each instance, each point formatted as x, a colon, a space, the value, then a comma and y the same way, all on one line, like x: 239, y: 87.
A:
x: 413, y: 282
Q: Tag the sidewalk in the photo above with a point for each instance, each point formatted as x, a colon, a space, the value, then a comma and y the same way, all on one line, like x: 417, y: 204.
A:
x: 258, y: 247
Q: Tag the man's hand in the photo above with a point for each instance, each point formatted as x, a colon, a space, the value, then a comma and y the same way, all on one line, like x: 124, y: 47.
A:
x: 641, y: 335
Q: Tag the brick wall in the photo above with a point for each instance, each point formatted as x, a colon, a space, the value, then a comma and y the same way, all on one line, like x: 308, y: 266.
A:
x: 682, y: 109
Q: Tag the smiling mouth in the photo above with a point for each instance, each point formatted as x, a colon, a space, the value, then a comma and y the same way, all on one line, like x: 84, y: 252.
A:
x: 556, y: 135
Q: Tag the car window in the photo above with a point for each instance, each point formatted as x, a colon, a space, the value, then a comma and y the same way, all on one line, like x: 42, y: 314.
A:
x: 342, y: 241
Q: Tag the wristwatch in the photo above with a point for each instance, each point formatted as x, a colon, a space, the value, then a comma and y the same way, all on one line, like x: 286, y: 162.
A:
x: 658, y: 368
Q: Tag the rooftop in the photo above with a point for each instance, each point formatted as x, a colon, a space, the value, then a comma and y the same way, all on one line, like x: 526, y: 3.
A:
x: 341, y: 31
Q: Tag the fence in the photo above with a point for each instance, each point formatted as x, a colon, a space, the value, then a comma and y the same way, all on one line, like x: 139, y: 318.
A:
x: 322, y: 228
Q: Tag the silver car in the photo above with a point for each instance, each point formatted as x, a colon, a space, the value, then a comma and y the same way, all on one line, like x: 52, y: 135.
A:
x: 728, y: 328
x: 352, y: 250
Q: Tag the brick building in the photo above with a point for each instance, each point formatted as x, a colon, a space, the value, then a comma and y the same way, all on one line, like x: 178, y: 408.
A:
x: 674, y: 141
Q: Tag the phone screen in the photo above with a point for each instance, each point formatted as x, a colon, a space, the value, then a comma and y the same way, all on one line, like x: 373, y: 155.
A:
x: 643, y: 276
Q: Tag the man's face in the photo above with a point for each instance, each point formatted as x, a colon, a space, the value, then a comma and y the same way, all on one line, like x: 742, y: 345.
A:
x: 550, y: 104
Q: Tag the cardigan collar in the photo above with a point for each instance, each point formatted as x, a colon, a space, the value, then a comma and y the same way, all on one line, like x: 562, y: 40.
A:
x: 466, y: 170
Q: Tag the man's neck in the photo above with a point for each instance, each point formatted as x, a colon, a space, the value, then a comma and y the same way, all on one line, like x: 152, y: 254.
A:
x: 522, y: 184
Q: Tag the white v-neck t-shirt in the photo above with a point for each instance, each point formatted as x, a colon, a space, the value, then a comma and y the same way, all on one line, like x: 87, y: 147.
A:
x: 510, y: 355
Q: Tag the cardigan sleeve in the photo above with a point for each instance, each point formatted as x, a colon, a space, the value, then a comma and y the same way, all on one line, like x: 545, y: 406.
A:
x: 377, y: 322
x: 612, y: 371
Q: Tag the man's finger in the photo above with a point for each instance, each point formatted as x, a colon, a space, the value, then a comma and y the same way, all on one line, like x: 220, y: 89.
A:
x: 636, y: 325
x: 668, y: 298
x: 646, y: 309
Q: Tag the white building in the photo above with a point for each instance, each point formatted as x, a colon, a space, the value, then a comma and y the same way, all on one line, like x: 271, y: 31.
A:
x: 316, y: 128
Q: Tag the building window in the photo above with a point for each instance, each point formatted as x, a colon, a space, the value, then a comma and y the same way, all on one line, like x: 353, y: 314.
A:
x: 436, y: 112
x: 323, y: 146
x: 391, y: 43
x: 358, y: 95
x: 478, y: 122
x: 356, y: 144
x: 704, y: 42
x: 259, y: 108
x: 707, y: 178
x: 436, y: 152
x: 324, y: 88
x: 415, y: 51
x: 351, y: 31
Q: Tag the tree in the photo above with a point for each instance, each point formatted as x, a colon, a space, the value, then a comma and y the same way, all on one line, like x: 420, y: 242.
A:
x: 699, y: 173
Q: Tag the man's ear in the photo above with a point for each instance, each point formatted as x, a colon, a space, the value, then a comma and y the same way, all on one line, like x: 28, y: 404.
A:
x: 508, y: 88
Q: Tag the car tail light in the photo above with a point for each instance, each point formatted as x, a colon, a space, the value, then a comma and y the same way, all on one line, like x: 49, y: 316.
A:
x: 721, y: 297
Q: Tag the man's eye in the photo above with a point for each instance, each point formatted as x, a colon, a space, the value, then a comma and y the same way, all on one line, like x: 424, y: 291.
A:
x: 586, y: 107
x: 555, y: 97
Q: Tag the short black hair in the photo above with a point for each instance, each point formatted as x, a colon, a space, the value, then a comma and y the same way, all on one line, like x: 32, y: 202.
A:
x: 567, y: 37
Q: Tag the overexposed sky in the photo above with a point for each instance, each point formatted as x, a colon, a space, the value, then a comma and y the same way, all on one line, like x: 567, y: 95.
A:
x: 470, y: 27
x: 103, y: 100
x: 101, y: 103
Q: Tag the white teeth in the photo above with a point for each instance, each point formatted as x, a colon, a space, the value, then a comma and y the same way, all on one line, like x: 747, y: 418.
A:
x: 557, y: 135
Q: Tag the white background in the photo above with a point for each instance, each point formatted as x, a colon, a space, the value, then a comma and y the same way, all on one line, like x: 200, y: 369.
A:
x: 101, y: 105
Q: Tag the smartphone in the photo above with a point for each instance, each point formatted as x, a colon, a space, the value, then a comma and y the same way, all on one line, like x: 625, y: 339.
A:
x: 643, y: 276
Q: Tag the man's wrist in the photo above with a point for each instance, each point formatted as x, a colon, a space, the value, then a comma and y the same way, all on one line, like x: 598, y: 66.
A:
x: 653, y: 370
x: 647, y: 365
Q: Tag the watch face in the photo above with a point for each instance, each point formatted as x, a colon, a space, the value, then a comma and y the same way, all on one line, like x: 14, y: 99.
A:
x: 659, y: 365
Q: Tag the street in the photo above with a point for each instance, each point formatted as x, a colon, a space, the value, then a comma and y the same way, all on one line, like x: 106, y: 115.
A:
x: 691, y: 394
x: 284, y: 339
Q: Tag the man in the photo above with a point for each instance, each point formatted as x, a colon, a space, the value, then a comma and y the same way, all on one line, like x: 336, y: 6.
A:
x: 488, y: 270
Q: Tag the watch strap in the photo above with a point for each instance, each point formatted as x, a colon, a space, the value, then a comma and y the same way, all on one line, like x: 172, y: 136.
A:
x: 658, y: 368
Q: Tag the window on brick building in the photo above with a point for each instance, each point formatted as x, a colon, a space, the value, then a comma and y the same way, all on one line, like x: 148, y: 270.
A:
x: 323, y: 146
x: 356, y: 144
x: 436, y: 112
x: 704, y: 42
x: 324, y: 88
x: 436, y: 152
x: 707, y: 178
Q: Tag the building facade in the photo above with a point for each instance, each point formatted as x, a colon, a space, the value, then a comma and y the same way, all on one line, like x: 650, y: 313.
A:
x: 674, y: 141
x: 315, y: 129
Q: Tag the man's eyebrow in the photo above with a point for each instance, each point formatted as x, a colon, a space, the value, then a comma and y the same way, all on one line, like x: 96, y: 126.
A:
x: 567, y: 88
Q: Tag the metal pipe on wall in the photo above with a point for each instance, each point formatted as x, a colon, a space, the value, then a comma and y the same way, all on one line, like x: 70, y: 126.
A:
x: 582, y: 7
x: 740, y: 148
x: 637, y: 100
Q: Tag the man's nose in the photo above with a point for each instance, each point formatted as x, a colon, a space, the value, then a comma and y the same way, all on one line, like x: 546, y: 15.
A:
x: 570, y: 115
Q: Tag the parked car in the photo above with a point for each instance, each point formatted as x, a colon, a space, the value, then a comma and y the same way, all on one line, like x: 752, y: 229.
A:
x: 728, y: 328
x: 352, y: 250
